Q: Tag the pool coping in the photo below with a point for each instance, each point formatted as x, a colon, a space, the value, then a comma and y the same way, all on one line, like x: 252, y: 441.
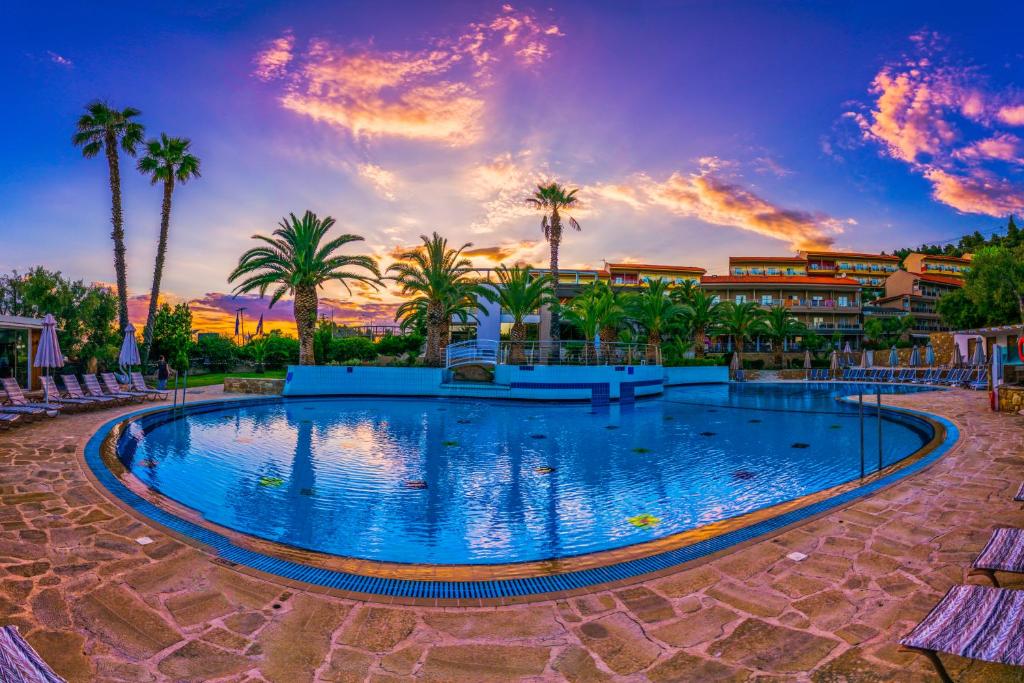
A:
x: 467, y: 585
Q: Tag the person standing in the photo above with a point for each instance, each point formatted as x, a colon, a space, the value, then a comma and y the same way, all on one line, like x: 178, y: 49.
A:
x: 161, y: 374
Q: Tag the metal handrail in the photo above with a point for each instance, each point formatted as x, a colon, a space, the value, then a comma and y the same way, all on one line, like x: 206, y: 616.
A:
x: 472, y: 352
x: 578, y: 353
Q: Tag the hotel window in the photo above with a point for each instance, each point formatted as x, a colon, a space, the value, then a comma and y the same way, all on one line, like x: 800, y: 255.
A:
x: 817, y: 300
x: 790, y: 271
x: 741, y: 298
x: 773, y: 271
x: 844, y: 301
x: 766, y: 299
x: 817, y: 322
x: 756, y: 271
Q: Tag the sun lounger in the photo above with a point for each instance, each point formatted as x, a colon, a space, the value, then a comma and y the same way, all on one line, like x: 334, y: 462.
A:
x: 111, y: 385
x: 54, y: 392
x: 17, y: 398
x: 139, y: 384
x: 74, y: 389
x: 1004, y: 552
x: 8, y: 420
x: 92, y: 385
x: 25, y: 411
x: 976, y: 622
x: 1020, y: 495
x: 979, y: 382
x: 904, y: 375
x: 19, y: 662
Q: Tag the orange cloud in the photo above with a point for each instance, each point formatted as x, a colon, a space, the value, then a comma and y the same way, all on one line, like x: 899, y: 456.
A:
x: 716, y: 199
x: 510, y: 253
x: 273, y: 60
x: 434, y: 94
x: 920, y: 106
x: 382, y: 180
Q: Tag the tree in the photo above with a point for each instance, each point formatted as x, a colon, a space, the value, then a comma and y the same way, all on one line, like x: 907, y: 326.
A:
x: 437, y: 280
x: 85, y: 314
x: 519, y: 292
x: 552, y: 199
x: 594, y: 309
x: 741, y: 322
x: 296, y: 260
x: 701, y: 313
x: 104, y: 128
x: 655, y: 311
x: 166, y: 160
x: 168, y: 324
x: 780, y: 324
x: 995, y: 284
x: 683, y: 292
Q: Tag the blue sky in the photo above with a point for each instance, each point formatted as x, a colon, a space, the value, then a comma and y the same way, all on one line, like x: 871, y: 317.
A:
x: 693, y: 130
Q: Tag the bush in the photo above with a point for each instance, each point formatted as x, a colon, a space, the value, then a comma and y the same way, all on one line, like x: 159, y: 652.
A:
x: 753, y: 364
x: 215, y: 352
x: 698, y: 362
x: 281, y: 350
x: 352, y: 349
x: 396, y: 345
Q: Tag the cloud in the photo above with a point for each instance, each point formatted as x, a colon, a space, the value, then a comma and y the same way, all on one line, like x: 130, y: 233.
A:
x: 718, y: 199
x: 383, y: 181
x: 940, y: 118
x: 434, y: 94
x: 502, y: 185
x: 273, y: 60
x: 510, y: 253
x: 60, y: 59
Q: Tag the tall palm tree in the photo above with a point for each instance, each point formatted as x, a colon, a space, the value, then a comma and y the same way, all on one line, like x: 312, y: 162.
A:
x: 519, y: 292
x: 104, y: 128
x: 779, y: 324
x: 741, y: 321
x: 552, y: 199
x: 655, y: 311
x: 684, y: 291
x: 296, y: 260
x: 438, y: 280
x: 167, y: 160
x: 701, y: 313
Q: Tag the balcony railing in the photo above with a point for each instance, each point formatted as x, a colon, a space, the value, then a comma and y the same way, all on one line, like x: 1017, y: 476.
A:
x: 577, y: 353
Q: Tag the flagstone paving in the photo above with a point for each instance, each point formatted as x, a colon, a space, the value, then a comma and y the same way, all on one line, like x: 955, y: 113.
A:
x: 100, y: 607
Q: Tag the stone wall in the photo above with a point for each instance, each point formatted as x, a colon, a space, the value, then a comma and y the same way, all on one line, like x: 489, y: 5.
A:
x: 1011, y: 399
x: 253, y: 385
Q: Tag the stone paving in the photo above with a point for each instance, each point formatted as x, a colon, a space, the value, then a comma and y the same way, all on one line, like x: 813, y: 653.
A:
x: 101, y: 607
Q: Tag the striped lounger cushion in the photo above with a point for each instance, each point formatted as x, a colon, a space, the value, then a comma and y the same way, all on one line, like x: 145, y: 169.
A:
x: 19, y: 663
x: 977, y: 622
x: 1020, y: 494
x: 1004, y: 552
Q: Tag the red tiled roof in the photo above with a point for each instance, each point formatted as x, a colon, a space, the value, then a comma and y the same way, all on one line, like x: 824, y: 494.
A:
x: 647, y: 266
x: 851, y: 254
x: 768, y: 259
x: 940, y: 279
x: 942, y: 257
x: 778, y: 280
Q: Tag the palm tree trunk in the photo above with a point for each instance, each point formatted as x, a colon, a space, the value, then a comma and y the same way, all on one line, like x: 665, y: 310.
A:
x: 433, y: 354
x: 305, y: 322
x: 158, y: 267
x: 117, y: 234
x: 698, y: 345
x: 653, y: 345
x: 555, y: 239
x: 444, y: 338
x: 517, y: 336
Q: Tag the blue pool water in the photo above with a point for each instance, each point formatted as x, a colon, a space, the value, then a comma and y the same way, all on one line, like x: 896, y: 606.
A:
x: 474, y: 482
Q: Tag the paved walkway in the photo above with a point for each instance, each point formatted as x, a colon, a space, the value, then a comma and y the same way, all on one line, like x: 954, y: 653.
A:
x: 101, y: 607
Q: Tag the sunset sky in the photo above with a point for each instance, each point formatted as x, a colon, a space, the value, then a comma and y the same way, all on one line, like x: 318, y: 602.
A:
x: 694, y: 130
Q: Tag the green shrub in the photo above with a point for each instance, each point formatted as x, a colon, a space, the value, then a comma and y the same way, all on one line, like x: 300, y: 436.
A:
x: 352, y: 349
x: 753, y: 364
x: 281, y: 350
x: 396, y: 345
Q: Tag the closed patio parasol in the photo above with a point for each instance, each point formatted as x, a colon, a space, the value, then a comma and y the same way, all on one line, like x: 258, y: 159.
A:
x: 929, y: 355
x: 979, y: 353
x: 48, y: 355
x: 915, y: 358
x: 894, y: 357
x: 129, y: 355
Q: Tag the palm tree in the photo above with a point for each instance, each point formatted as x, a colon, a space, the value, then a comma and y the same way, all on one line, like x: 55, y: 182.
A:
x: 655, y: 311
x: 166, y: 160
x: 701, y: 314
x: 551, y: 199
x: 741, y: 321
x: 519, y: 293
x: 594, y: 310
x: 684, y: 291
x: 780, y: 324
x: 438, y: 280
x: 104, y: 128
x: 297, y: 261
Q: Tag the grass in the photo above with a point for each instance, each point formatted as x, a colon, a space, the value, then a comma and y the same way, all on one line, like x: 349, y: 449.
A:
x: 218, y: 377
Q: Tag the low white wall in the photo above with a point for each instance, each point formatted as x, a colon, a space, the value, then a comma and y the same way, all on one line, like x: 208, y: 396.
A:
x: 358, y: 380
x: 697, y: 374
x: 568, y: 375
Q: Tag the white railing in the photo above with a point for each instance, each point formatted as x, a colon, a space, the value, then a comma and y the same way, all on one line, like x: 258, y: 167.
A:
x: 577, y: 353
x: 472, y: 352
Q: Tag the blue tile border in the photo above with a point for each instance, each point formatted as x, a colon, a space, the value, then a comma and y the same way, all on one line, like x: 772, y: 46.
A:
x: 370, y: 586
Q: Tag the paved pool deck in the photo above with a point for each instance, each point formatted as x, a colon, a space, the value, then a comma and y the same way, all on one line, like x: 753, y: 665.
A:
x: 101, y: 607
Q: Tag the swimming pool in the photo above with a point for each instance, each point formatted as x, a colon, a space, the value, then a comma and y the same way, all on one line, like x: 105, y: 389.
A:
x: 474, y: 482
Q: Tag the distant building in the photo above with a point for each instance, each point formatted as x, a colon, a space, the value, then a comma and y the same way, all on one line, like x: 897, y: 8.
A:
x: 768, y: 265
x: 824, y: 304
x: 937, y: 264
x: 918, y: 294
x: 870, y: 270
x: 631, y: 274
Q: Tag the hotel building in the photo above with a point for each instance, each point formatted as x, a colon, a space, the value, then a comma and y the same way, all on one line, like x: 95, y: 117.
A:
x: 870, y: 270
x: 917, y: 294
x: 767, y: 265
x: 937, y: 264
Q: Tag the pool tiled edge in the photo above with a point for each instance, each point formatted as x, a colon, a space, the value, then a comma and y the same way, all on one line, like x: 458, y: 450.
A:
x: 496, y: 590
